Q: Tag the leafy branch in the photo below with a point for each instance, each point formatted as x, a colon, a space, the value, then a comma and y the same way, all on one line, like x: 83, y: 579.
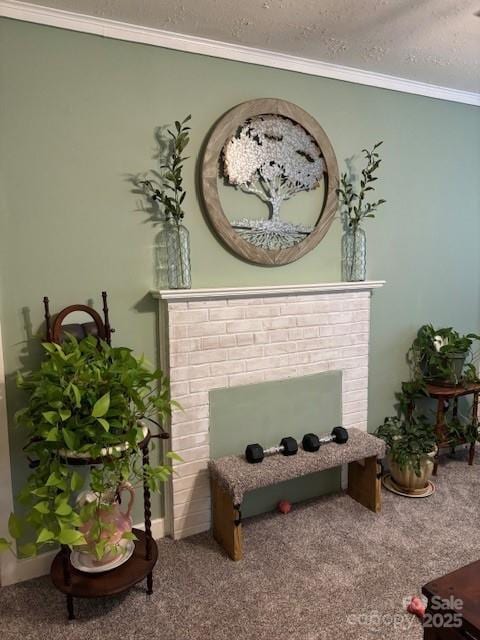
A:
x: 171, y: 193
x: 354, y: 204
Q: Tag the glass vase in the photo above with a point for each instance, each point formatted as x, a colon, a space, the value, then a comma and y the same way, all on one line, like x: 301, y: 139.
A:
x: 354, y: 255
x: 160, y: 258
x: 178, y: 256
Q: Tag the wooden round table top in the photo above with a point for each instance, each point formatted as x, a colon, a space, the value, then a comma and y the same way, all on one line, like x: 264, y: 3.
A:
x: 107, y: 583
x: 454, y: 391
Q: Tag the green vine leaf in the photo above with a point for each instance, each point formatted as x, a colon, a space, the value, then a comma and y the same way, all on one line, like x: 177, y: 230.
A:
x: 174, y: 456
x: 71, y: 537
x: 100, y: 549
x: 70, y: 439
x: 76, y: 482
x: 28, y: 550
x: 50, y: 416
x: 64, y: 414
x: 41, y: 492
x: 76, y: 394
x: 129, y: 535
x: 42, y: 507
x: 4, y: 544
x: 52, y: 435
x: 45, y: 535
x: 63, y: 509
x: 100, y: 408
x: 54, y: 479
x: 104, y: 423
x: 14, y: 526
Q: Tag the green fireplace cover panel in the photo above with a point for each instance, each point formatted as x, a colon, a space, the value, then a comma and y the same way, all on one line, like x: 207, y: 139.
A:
x: 266, y: 412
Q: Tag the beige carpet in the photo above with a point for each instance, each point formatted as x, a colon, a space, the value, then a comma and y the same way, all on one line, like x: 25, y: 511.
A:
x: 330, y: 570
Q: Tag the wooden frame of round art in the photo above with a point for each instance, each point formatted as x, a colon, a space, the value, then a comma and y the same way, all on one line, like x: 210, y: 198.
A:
x: 224, y: 129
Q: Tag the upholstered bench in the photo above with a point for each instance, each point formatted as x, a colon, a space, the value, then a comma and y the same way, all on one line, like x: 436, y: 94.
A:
x: 232, y: 477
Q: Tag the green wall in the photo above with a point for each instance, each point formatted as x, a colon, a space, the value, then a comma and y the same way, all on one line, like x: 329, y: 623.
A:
x: 77, y: 117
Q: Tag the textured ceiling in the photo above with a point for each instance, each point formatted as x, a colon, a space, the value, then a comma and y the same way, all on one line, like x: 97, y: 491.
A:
x: 434, y: 41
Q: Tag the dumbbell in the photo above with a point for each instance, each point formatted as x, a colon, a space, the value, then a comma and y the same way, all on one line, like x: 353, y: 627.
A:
x: 311, y: 442
x: 255, y: 452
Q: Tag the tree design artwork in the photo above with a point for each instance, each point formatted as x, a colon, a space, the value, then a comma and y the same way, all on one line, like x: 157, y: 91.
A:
x: 273, y: 158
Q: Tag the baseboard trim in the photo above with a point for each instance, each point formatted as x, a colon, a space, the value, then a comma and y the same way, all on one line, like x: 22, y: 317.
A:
x: 193, y: 44
x: 29, y: 568
x: 158, y: 528
x: 186, y: 532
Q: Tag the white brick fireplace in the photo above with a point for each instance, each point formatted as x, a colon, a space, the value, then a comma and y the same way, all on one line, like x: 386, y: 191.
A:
x: 216, y: 338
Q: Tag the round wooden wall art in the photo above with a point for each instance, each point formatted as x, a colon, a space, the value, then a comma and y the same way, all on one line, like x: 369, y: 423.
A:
x: 274, y: 150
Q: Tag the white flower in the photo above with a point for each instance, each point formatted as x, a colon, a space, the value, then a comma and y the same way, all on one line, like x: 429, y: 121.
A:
x: 439, y: 342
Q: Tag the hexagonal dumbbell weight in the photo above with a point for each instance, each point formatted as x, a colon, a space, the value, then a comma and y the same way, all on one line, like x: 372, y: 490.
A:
x: 311, y: 442
x: 255, y: 452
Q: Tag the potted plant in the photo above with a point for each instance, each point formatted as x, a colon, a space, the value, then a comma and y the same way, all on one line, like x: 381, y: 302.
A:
x: 411, y: 444
x: 87, y: 400
x: 167, y: 190
x: 460, y: 430
x: 439, y: 355
x: 354, y: 209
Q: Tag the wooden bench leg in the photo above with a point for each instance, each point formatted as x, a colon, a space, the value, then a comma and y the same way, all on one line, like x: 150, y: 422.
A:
x: 227, y: 528
x: 364, y: 483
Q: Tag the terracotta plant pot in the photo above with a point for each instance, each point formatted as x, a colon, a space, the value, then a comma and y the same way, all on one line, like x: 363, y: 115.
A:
x: 407, y: 479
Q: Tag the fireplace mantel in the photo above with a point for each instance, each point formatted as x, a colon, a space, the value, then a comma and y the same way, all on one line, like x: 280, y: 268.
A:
x: 231, y: 336
x: 184, y: 295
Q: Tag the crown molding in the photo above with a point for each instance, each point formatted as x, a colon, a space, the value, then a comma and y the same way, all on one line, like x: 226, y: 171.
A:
x: 193, y: 44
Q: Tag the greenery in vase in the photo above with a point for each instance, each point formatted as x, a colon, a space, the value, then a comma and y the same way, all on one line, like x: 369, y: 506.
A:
x: 88, y: 398
x: 409, y: 435
x: 433, y: 350
x: 354, y: 202
x: 171, y: 193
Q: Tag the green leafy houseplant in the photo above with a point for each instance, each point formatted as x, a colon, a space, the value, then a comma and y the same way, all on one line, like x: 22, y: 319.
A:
x: 460, y: 430
x: 86, y: 399
x: 409, y: 436
x: 439, y: 355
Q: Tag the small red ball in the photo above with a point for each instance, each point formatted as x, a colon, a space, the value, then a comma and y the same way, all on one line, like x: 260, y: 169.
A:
x: 284, y: 506
x: 417, y: 607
